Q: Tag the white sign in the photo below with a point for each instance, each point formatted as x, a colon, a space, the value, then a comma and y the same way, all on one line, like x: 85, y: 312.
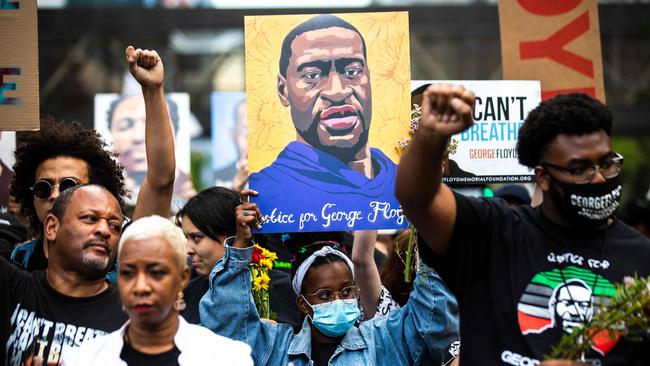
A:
x: 120, y: 120
x: 486, y: 152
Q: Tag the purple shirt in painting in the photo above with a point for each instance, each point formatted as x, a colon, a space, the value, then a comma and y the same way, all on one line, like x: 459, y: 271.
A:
x: 306, y: 189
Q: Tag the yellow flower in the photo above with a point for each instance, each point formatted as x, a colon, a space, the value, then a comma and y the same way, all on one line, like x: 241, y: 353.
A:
x: 269, y: 255
x: 261, y: 282
x: 266, y: 263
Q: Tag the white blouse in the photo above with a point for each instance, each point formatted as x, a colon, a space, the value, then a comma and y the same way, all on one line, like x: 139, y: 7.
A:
x: 198, y: 345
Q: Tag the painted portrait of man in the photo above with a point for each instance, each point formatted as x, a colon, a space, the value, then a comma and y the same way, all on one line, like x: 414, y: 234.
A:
x: 325, y: 81
x: 229, y: 137
x: 121, y: 121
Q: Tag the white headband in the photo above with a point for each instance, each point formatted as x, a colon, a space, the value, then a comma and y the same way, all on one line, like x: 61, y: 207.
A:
x: 322, y: 252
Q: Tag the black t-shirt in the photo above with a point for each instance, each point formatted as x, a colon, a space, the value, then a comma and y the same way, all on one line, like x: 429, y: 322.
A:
x: 37, y: 261
x: 133, y: 357
x: 37, y: 321
x: 192, y: 294
x: 522, y: 281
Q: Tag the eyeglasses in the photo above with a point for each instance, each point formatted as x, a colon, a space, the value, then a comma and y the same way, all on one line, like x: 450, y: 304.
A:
x: 610, y: 167
x: 346, y: 293
x: 42, y: 189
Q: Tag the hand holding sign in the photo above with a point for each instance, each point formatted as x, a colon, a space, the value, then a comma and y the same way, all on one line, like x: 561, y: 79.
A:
x: 146, y: 67
x: 447, y: 109
x: 248, y: 217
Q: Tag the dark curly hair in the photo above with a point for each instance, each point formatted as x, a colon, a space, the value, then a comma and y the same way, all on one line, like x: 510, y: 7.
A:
x: 63, y: 139
x: 571, y: 114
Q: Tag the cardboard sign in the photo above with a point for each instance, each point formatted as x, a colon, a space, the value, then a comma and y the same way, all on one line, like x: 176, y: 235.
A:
x: 19, y: 104
x: 7, y: 160
x: 486, y: 152
x: 322, y: 154
x: 555, y: 41
x: 120, y: 120
x: 229, y: 135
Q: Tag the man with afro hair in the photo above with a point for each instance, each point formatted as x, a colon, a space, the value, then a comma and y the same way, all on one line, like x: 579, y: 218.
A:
x: 510, y: 268
x: 61, y: 155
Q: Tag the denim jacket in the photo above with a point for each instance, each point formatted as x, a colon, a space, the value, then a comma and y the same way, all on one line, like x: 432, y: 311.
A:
x: 416, y: 334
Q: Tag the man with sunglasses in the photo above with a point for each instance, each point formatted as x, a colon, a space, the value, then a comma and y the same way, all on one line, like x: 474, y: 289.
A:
x: 63, y: 155
x: 520, y: 273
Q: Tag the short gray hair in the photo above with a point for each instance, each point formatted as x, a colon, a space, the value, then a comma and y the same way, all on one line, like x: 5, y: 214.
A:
x: 157, y: 227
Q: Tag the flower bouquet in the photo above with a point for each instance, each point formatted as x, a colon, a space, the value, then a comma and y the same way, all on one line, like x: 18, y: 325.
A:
x: 261, y: 262
x: 626, y: 315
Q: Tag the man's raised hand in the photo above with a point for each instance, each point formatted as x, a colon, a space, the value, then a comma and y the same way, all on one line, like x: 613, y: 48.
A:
x: 447, y: 109
x: 146, y: 67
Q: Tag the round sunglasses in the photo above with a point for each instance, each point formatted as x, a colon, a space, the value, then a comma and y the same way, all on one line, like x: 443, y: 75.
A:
x: 42, y: 189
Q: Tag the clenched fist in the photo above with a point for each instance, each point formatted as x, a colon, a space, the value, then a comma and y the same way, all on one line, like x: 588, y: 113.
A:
x: 447, y: 109
x: 146, y: 67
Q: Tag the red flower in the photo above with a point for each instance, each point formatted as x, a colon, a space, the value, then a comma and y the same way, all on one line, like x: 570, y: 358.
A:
x: 257, y: 255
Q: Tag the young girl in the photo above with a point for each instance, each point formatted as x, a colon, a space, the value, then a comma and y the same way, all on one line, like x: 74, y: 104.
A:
x: 326, y: 293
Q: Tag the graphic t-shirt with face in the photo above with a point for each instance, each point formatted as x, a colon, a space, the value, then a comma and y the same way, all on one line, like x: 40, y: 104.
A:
x: 37, y: 322
x: 522, y: 282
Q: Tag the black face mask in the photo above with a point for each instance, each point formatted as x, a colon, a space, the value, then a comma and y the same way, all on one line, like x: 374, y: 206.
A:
x: 587, y: 205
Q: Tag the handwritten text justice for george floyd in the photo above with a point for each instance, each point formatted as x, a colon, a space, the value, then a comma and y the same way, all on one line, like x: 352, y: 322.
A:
x: 329, y: 215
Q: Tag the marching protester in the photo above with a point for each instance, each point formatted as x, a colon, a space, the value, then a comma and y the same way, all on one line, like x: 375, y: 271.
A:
x: 49, y: 161
x: 392, y: 274
x: 328, y: 297
x: 71, y: 302
x: 374, y: 297
x: 207, y: 219
x: 43, y: 313
x: 152, y: 275
x: 63, y: 155
x: 523, y: 277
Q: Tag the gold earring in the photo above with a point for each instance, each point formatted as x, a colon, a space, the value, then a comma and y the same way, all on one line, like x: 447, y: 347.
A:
x: 179, y: 304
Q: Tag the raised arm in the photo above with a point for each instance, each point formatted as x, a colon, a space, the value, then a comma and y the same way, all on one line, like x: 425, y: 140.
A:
x: 228, y: 308
x: 156, y: 192
x: 365, y: 271
x: 427, y: 202
x: 428, y: 321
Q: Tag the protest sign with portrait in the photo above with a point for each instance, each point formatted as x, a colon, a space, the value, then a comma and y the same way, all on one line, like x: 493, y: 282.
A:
x: 322, y: 153
x: 120, y: 120
x: 229, y: 135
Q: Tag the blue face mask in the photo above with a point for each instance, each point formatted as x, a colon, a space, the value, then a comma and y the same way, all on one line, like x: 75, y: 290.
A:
x: 335, y: 318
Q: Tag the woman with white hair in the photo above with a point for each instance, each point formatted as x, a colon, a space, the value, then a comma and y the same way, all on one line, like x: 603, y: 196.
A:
x: 152, y: 273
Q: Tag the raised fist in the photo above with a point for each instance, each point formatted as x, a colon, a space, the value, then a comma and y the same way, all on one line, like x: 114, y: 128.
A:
x: 447, y: 109
x: 146, y: 67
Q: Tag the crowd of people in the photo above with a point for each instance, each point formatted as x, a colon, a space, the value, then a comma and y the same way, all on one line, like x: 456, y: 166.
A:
x: 506, y: 276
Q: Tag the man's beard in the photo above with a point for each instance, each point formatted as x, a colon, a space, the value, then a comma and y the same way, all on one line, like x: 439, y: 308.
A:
x: 93, y: 262
x: 345, y: 154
